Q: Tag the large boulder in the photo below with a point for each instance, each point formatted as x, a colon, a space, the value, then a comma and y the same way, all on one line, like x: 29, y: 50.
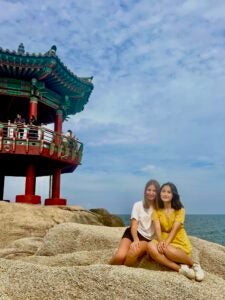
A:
x: 25, y: 220
x: 72, y: 237
x: 48, y: 255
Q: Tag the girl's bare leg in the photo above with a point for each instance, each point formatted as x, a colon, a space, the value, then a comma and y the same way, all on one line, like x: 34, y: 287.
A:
x: 134, y: 254
x: 121, y: 253
x: 178, y: 255
x: 161, y: 258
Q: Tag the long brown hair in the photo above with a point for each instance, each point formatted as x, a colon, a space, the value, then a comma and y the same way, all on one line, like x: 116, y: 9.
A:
x: 157, y: 187
x: 176, y: 202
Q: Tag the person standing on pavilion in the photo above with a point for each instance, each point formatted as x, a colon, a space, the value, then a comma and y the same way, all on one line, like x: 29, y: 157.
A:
x: 33, y: 130
x: 20, y: 122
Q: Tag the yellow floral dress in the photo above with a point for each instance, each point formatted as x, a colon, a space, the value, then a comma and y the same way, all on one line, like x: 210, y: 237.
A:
x: 181, y: 239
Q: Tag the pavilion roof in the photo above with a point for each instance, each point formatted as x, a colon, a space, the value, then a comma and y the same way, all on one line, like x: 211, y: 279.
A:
x: 47, y: 68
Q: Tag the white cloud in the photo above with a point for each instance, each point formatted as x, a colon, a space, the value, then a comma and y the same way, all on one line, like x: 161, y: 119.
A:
x: 148, y: 168
x: 158, y: 104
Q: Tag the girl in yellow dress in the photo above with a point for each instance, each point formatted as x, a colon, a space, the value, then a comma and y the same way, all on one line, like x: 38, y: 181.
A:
x: 171, y: 247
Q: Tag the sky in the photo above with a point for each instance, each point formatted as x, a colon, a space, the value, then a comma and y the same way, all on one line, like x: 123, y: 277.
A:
x: 158, y: 105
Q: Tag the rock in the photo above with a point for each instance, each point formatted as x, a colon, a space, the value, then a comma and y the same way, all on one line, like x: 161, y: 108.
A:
x: 77, y: 237
x: 25, y: 220
x: 108, y: 219
x: 211, y: 256
x: 49, y: 255
x: 100, y: 211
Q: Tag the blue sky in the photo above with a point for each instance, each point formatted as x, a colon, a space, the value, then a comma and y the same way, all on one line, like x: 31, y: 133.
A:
x: 158, y: 106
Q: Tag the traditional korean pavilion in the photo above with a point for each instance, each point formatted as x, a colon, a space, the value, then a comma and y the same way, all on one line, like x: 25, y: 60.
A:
x: 42, y: 87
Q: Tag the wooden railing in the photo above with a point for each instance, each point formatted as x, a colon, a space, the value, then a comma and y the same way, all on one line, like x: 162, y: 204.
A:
x: 45, y: 140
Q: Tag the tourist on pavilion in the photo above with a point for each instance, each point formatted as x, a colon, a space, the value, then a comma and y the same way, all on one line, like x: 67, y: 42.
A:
x: 33, y: 131
x: 70, y: 138
x: 20, y: 122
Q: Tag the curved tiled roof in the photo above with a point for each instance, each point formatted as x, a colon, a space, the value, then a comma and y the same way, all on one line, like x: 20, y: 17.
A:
x: 47, y: 68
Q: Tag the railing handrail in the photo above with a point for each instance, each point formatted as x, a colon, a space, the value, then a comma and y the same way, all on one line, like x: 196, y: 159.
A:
x: 33, y: 133
x: 38, y: 127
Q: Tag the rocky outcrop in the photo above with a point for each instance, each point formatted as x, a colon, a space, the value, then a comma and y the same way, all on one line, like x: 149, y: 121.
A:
x: 48, y: 255
x: 107, y: 219
x: 36, y: 220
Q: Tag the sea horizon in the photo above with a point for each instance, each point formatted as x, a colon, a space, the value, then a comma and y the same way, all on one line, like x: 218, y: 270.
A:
x: 210, y: 227
x: 205, y: 214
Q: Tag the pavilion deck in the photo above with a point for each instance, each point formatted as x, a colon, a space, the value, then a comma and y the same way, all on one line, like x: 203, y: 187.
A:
x: 39, y: 141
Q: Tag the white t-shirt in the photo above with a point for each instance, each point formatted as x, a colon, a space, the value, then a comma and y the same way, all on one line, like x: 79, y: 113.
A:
x: 144, y: 218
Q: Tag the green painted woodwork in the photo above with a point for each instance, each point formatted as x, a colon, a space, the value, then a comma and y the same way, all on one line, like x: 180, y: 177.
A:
x: 36, y: 144
x: 52, y: 148
x: 11, y: 86
x: 55, y: 86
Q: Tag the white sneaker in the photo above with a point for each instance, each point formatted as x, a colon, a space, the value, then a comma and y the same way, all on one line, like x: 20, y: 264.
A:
x: 199, y: 273
x: 186, y: 271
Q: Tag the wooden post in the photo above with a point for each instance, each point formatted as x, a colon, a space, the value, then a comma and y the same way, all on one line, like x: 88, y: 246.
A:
x: 33, y: 107
x: 29, y: 196
x: 30, y: 180
x: 56, y: 200
x: 56, y: 184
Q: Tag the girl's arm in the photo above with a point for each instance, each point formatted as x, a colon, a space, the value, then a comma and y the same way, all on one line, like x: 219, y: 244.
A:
x: 158, y: 231
x: 133, y: 226
x: 136, y: 243
x: 173, y: 232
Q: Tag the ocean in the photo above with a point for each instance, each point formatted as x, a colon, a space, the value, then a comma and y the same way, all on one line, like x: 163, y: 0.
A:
x: 206, y: 227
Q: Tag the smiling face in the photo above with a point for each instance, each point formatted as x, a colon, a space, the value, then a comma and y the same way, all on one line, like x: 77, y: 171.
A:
x: 166, y: 194
x: 150, y: 193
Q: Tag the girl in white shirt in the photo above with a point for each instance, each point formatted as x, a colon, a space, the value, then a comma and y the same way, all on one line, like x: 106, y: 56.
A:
x: 133, y: 244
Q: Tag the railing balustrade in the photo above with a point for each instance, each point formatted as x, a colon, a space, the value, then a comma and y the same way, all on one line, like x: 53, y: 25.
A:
x: 12, y: 135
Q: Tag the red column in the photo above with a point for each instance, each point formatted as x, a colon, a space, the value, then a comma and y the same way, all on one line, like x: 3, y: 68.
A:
x: 29, y: 196
x: 56, y: 184
x: 33, y: 107
x: 58, y: 125
x: 58, y: 121
x: 30, y: 181
x: 56, y: 200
